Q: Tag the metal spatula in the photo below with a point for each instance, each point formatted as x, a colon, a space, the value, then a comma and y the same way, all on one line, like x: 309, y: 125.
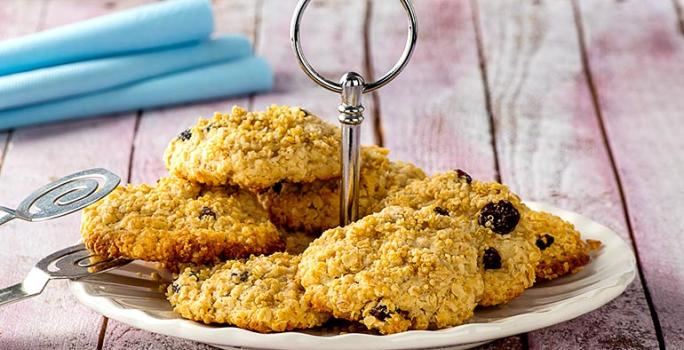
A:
x: 64, y: 196
x: 73, y: 263
x: 59, y: 198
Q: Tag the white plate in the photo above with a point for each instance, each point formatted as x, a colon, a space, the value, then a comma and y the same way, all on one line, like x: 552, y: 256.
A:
x: 130, y: 296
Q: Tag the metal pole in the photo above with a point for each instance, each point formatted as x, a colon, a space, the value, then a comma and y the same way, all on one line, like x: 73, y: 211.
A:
x: 351, y: 117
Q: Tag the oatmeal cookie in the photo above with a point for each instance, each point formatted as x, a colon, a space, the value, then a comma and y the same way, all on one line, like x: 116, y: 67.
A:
x: 492, y: 205
x: 395, y: 270
x: 260, y: 294
x: 508, y: 256
x: 562, y: 249
x: 315, y: 207
x: 256, y: 150
x: 176, y: 221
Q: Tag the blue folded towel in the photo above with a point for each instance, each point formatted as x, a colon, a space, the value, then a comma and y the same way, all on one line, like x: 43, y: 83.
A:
x: 69, y: 80
x: 147, y: 27
x: 237, y: 77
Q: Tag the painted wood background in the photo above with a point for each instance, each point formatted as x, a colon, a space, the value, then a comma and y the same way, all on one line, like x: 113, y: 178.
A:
x: 573, y: 102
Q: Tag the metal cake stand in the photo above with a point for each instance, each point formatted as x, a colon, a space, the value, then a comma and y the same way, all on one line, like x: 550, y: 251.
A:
x: 351, y: 87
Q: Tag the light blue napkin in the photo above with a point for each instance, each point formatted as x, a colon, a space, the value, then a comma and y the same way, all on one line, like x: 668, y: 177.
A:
x: 68, y: 80
x: 239, y: 77
x: 147, y: 27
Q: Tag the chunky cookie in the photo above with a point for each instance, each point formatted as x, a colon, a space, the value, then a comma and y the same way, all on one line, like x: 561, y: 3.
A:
x: 256, y: 150
x: 176, y: 221
x: 260, y: 294
x: 562, y: 249
x: 315, y: 207
x: 507, y: 254
x: 395, y: 270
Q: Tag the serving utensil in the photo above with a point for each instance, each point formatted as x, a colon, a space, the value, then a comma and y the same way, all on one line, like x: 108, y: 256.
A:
x: 59, y: 198
x: 73, y: 263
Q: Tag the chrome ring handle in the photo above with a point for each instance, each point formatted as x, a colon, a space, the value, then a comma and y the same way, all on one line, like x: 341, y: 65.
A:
x: 368, y: 87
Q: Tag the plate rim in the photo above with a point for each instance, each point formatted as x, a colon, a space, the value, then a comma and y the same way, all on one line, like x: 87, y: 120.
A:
x: 414, y: 339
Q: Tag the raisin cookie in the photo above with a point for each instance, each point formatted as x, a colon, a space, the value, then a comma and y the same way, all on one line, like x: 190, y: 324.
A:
x: 507, y: 254
x: 260, y: 294
x: 176, y: 221
x: 315, y: 207
x: 395, y: 270
x: 256, y: 150
x: 562, y: 249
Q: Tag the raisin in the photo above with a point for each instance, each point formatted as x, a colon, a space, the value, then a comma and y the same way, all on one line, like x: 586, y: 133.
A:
x: 278, y: 187
x: 380, y: 312
x: 206, y: 211
x: 464, y: 175
x: 502, y: 217
x: 491, y: 259
x: 441, y: 211
x: 403, y: 313
x: 242, y: 276
x: 175, y: 287
x: 185, y: 135
x: 544, y: 241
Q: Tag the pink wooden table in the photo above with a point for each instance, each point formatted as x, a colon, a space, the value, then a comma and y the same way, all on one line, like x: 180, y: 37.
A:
x: 575, y: 103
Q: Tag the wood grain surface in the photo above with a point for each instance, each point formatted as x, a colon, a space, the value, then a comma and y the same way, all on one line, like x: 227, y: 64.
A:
x: 576, y: 103
x: 550, y: 148
x: 35, y: 156
x: 434, y: 113
x: 638, y: 80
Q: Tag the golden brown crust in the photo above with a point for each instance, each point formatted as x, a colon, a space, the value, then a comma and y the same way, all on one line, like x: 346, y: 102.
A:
x: 314, y: 207
x: 176, y: 221
x: 395, y: 270
x: 564, y: 252
x: 260, y: 294
x: 256, y: 150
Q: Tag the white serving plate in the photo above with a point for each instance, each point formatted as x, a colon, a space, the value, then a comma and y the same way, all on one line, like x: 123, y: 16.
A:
x: 131, y: 296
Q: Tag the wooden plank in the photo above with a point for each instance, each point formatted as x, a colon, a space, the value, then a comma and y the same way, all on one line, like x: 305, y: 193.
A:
x: 34, y: 157
x: 434, y: 113
x: 332, y: 39
x: 635, y: 52
x: 549, y: 139
x: 18, y: 18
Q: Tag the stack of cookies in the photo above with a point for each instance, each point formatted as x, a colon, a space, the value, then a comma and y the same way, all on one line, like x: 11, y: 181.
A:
x: 248, y: 217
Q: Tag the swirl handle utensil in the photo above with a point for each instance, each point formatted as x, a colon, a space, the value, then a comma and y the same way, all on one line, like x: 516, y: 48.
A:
x: 64, y: 196
x: 73, y: 263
